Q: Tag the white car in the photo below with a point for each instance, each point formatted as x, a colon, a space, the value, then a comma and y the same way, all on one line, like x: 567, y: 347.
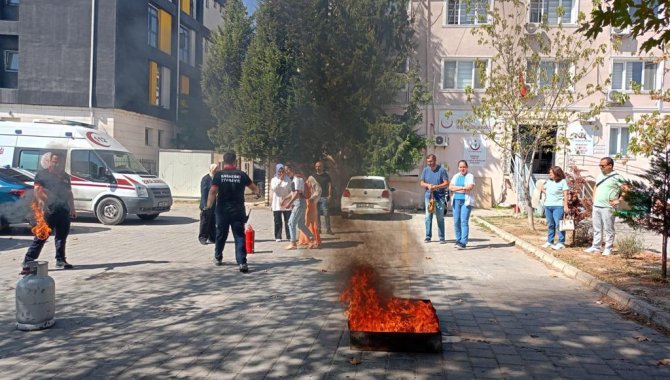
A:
x: 367, y: 195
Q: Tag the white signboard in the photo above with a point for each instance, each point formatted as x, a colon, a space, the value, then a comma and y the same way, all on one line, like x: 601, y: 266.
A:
x: 474, y: 151
x: 581, y: 139
x: 455, y: 122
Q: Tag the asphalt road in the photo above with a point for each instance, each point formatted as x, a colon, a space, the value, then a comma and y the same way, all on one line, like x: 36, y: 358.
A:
x: 145, y: 300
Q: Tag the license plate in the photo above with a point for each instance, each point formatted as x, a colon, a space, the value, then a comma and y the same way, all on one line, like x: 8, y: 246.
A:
x: 162, y: 204
x: 365, y: 205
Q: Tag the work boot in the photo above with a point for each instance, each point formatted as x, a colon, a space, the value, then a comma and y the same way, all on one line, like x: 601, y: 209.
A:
x: 63, y: 264
x: 244, y: 268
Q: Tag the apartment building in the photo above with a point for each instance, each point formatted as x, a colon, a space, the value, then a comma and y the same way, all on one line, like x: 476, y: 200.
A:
x: 129, y: 67
x: 447, y: 53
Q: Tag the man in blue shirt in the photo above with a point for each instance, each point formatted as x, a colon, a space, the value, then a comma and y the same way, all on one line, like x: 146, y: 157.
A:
x: 435, y: 180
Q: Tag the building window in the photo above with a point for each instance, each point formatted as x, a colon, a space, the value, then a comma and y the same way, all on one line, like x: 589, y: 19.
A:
x: 619, y: 139
x: 544, y: 73
x: 188, y: 7
x: 160, y: 138
x: 548, y: 10
x: 152, y: 25
x: 467, y: 12
x: 165, y: 35
x: 147, y: 136
x: 13, y: 2
x: 627, y: 75
x: 185, y: 45
x: 11, y: 60
x: 460, y: 74
x: 159, y: 85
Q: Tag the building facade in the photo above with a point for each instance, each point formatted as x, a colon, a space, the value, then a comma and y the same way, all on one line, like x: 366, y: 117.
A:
x: 130, y: 67
x: 447, y: 53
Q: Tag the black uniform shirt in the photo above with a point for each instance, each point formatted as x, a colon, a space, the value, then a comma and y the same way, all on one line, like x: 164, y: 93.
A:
x: 58, y: 189
x: 230, y: 184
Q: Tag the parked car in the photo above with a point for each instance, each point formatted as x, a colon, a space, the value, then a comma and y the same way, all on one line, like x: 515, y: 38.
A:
x: 15, y: 198
x: 19, y: 174
x: 367, y: 195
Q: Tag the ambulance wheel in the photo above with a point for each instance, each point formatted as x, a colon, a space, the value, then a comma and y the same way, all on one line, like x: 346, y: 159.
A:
x: 147, y: 216
x: 110, y: 211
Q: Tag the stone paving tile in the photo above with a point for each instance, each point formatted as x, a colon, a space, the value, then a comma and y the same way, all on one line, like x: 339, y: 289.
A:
x: 146, y: 302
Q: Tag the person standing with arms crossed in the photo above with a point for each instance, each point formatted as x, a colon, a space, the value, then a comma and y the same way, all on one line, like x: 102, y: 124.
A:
x: 228, y: 191
x: 462, y: 200
x: 207, y: 223
x: 326, y: 184
x: 53, y: 194
x: 606, y: 195
x: 435, y: 179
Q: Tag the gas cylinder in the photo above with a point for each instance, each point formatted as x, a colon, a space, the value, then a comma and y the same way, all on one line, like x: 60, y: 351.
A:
x: 249, y: 236
x: 36, y: 298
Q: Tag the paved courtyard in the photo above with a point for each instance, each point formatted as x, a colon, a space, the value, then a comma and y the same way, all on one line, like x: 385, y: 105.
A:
x: 145, y: 301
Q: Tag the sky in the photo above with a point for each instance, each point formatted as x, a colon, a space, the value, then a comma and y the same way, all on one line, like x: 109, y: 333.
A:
x: 251, y: 5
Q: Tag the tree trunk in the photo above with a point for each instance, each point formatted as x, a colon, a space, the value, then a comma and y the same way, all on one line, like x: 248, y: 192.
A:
x: 664, y: 256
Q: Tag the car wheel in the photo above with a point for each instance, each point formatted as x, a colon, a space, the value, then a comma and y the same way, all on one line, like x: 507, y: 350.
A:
x: 110, y: 211
x: 147, y: 216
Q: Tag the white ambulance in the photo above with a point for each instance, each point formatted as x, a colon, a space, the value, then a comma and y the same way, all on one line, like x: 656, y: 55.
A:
x: 106, y: 178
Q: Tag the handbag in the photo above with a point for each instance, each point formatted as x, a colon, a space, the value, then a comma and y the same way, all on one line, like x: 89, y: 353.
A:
x: 431, y: 204
x: 566, y: 224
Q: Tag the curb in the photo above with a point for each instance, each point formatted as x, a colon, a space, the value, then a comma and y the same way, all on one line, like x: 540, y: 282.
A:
x: 650, y: 312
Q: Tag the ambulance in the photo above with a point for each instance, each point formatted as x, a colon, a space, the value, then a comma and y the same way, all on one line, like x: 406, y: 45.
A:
x: 106, y: 179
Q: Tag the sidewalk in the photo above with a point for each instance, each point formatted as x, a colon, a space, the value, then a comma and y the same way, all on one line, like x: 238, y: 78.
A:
x: 145, y: 302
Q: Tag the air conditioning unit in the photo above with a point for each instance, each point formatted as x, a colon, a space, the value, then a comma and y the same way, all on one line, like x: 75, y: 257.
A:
x: 615, y: 97
x: 620, y: 32
x: 441, y: 140
x: 532, y: 28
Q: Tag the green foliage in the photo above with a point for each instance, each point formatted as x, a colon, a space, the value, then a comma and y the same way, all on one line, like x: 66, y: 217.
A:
x: 316, y: 81
x: 629, y: 245
x: 222, y: 72
x: 642, y: 17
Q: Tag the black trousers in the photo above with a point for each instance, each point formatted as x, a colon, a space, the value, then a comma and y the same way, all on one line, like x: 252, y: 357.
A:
x: 278, y: 223
x: 59, y: 221
x: 207, y: 226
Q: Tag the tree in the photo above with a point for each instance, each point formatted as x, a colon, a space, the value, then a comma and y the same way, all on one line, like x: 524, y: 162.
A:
x: 316, y: 80
x: 531, y: 86
x: 223, y: 70
x: 649, y: 18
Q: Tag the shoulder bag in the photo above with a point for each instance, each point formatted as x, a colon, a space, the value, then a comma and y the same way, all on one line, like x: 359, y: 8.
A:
x: 566, y: 224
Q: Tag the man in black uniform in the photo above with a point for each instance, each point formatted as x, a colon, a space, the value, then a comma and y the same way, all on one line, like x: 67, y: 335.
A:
x: 228, y: 191
x: 326, y: 184
x: 53, y: 194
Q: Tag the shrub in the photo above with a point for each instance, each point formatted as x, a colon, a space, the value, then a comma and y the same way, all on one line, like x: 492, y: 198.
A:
x: 629, y: 245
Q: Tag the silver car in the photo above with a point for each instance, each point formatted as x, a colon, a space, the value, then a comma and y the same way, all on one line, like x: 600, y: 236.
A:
x: 367, y: 195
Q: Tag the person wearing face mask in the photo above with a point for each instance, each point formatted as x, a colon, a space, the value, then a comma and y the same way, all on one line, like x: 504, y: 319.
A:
x: 462, y: 201
x: 280, y: 185
x: 607, y: 194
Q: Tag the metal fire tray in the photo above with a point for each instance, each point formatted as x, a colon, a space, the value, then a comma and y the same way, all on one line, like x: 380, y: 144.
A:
x: 396, y: 341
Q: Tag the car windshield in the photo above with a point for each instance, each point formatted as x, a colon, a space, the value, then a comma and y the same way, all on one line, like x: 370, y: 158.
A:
x: 122, y: 162
x: 10, y: 179
x: 366, y: 183
x: 8, y: 172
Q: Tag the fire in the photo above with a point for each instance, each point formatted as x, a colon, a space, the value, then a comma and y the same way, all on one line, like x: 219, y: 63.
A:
x: 41, y: 229
x: 372, y: 311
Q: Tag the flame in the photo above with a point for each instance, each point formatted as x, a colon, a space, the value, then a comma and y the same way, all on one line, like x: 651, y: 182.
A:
x: 41, y: 229
x: 371, y: 311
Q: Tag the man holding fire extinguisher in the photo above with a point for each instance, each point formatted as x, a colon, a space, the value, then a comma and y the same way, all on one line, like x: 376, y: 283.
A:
x: 228, y: 191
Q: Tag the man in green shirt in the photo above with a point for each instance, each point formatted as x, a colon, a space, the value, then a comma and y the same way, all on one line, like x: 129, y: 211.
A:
x: 606, y: 195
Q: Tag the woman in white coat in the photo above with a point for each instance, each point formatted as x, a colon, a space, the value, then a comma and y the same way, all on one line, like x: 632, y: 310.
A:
x: 461, y: 186
x: 280, y: 186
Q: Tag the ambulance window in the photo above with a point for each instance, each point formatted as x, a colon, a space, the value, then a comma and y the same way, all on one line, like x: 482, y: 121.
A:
x: 87, y: 165
x: 29, y: 160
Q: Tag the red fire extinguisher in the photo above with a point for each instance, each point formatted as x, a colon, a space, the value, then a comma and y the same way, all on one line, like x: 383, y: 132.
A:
x: 249, y: 236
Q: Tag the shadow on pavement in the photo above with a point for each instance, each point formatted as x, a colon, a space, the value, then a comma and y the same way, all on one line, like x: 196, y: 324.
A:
x: 75, y: 229
x: 111, y: 266
x: 133, y: 220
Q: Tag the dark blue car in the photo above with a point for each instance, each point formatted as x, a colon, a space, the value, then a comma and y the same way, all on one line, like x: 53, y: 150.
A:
x: 15, y: 198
